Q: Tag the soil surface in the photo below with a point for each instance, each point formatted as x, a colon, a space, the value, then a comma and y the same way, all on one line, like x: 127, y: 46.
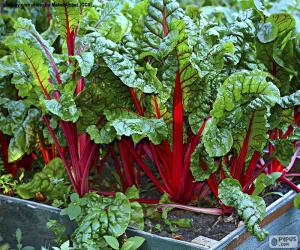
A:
x: 211, y: 226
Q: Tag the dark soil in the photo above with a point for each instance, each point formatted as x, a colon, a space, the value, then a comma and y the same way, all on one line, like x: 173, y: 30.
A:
x: 282, y: 188
x: 211, y: 226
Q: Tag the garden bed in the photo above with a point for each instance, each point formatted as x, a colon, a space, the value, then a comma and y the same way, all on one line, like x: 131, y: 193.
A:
x: 32, y: 217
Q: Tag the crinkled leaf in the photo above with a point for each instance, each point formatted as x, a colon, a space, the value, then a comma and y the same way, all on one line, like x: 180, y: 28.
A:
x: 139, y: 128
x: 65, y: 108
x: 91, y: 229
x: 86, y: 62
x: 119, y: 63
x: 118, y: 215
x: 217, y: 141
x: 290, y: 100
x: 284, y: 150
x: 51, y: 182
x: 101, y: 96
x: 199, y: 170
x: 242, y: 105
x: 250, y: 208
x: 250, y: 89
x: 263, y: 181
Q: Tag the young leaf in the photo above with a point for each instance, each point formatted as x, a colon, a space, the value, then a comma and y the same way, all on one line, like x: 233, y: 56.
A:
x: 111, y: 241
x: 73, y: 211
x: 137, y: 213
x: 133, y: 243
x: 74, y: 197
x: 119, y: 215
x: 183, y: 222
x: 263, y: 181
x: 101, y: 216
x: 19, y: 235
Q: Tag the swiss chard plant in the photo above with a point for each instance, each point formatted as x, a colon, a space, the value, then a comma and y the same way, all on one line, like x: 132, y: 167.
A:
x: 164, y: 96
x: 276, y: 43
x: 18, y: 120
x: 50, y: 78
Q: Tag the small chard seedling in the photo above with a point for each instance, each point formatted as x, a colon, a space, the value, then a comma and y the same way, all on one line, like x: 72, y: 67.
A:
x: 102, y: 220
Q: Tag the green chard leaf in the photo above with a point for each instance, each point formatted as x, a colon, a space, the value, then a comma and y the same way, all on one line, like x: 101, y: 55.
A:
x: 21, y: 123
x: 275, y: 47
x: 263, y: 181
x: 119, y: 63
x: 100, y: 219
x: 201, y: 171
x: 217, y: 141
x: 133, y: 243
x: 283, y: 150
x: 51, y: 182
x: 290, y: 100
x: 139, y: 128
x: 243, y: 102
x: 250, y: 208
x: 100, y: 96
x: 65, y: 108
x: 248, y: 88
x: 86, y: 62
x: 155, y: 38
x: 31, y: 88
x: 111, y: 241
